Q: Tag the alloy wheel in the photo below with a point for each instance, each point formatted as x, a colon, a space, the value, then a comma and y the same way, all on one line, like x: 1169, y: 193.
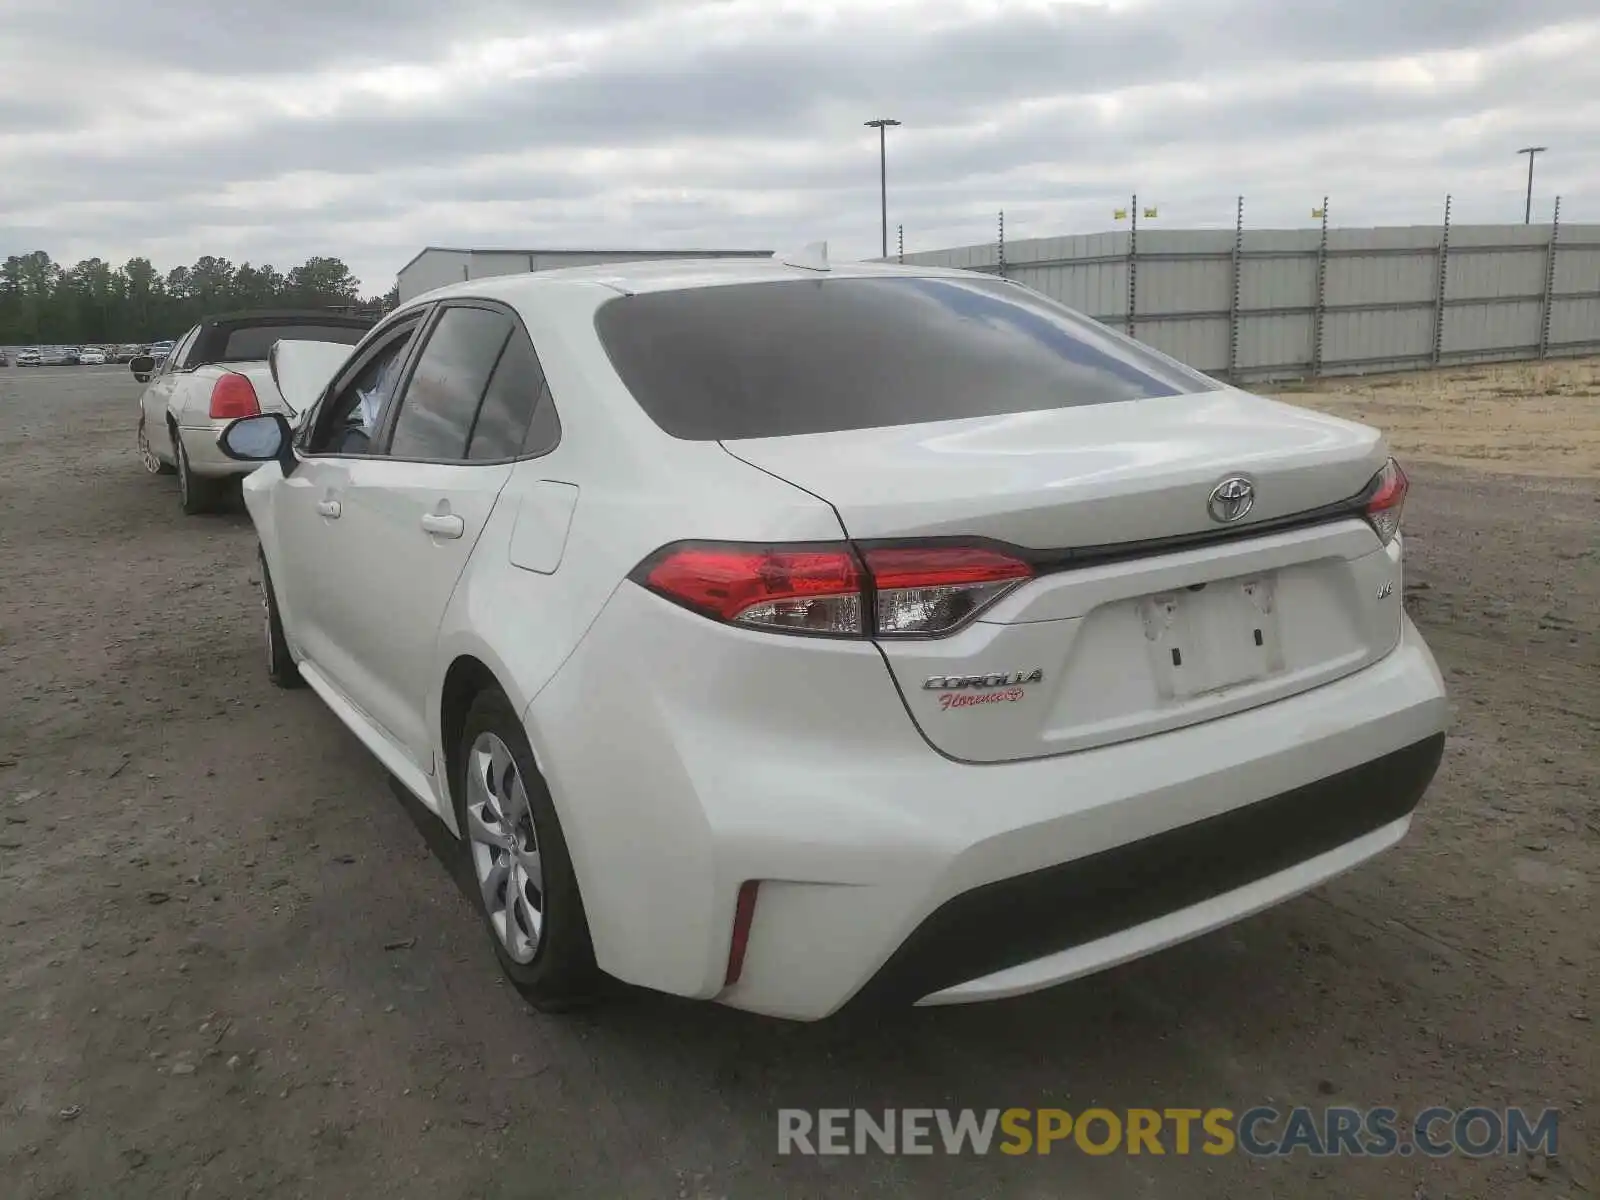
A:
x: 147, y: 452
x: 505, y: 847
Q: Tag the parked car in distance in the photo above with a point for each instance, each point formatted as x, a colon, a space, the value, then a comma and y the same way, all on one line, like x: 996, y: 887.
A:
x: 792, y: 635
x: 218, y: 371
x: 30, y: 357
x: 127, y: 352
x: 92, y: 356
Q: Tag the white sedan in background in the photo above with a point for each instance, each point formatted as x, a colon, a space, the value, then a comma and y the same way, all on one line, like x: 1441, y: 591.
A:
x: 792, y: 635
x: 91, y: 356
x: 216, y: 372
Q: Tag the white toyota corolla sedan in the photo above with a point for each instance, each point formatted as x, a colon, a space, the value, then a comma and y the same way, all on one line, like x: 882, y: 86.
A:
x: 794, y: 636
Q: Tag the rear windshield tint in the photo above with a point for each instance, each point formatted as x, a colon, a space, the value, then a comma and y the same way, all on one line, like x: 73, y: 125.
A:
x: 250, y: 343
x: 775, y: 359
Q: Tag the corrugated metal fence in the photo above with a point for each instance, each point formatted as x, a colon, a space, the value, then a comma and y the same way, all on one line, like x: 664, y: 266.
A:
x: 1279, y: 303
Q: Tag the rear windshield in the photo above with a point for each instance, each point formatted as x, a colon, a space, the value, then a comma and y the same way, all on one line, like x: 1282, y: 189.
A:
x: 774, y: 359
x: 250, y: 343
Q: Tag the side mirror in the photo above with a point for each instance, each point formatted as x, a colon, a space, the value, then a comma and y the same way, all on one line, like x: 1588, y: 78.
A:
x: 260, y: 439
x: 142, y: 367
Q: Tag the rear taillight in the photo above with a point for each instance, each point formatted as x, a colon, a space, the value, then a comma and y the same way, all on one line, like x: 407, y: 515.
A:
x: 797, y: 589
x: 828, y: 590
x: 1386, y: 498
x: 233, y: 396
x: 928, y: 590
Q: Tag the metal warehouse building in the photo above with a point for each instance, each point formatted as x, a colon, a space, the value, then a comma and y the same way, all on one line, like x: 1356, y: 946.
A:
x: 437, y: 266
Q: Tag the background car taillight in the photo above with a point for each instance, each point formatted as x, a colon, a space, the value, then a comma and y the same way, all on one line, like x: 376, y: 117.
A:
x: 827, y: 590
x: 1388, y: 496
x: 233, y: 396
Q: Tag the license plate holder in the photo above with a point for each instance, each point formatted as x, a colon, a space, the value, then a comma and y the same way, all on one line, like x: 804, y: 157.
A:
x: 1215, y: 636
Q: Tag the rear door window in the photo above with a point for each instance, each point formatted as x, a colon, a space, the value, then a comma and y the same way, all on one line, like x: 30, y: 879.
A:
x: 441, y: 400
x: 789, y: 357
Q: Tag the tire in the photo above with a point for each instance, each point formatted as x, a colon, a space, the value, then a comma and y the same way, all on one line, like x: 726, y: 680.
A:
x: 196, y: 494
x: 148, y: 456
x: 281, y: 667
x: 559, y: 973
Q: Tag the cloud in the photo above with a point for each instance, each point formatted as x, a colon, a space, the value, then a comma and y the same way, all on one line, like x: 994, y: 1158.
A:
x: 369, y: 129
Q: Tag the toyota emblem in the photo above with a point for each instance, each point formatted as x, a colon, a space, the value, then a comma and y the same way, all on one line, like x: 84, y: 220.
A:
x: 1231, y: 499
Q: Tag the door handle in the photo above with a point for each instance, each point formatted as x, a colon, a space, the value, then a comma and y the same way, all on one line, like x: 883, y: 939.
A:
x: 443, y: 525
x: 329, y: 508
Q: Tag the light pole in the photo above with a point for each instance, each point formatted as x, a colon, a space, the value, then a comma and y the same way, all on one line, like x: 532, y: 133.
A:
x: 880, y: 125
x: 1530, y: 151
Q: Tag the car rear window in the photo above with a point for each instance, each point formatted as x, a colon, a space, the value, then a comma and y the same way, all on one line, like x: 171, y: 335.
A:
x: 250, y: 343
x: 789, y: 357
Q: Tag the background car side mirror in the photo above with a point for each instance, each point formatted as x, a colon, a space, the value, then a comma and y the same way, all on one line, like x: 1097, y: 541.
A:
x: 142, y: 367
x: 260, y: 439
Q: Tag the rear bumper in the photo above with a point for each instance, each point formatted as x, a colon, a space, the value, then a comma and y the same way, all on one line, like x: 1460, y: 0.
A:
x: 206, y: 458
x: 1034, y: 930
x: 889, y: 872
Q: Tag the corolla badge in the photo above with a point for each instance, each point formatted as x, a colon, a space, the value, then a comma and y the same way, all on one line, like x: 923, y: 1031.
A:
x: 1231, y: 499
x: 970, y: 691
x: 1001, y: 679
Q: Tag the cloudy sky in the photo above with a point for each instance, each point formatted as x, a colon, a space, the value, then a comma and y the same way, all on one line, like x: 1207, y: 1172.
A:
x: 271, y: 130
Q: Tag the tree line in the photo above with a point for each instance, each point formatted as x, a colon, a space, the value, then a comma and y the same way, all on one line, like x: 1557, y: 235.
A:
x: 43, y: 302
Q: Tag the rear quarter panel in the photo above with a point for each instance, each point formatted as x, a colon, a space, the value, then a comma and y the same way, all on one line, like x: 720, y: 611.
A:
x: 637, y: 489
x: 190, y: 399
x: 523, y: 624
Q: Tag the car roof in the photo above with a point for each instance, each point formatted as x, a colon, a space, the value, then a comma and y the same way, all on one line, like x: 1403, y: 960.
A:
x: 674, y: 275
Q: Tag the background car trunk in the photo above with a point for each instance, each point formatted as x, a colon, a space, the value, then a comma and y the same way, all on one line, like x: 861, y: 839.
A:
x: 260, y: 377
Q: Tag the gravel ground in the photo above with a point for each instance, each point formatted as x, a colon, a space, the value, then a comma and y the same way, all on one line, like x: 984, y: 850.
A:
x: 1532, y: 418
x: 233, y: 964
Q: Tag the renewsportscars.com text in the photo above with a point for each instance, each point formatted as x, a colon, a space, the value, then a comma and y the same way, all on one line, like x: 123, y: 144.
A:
x: 1260, y: 1132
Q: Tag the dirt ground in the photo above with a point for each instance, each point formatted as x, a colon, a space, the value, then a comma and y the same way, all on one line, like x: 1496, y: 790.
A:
x: 232, y: 964
x: 1535, y: 418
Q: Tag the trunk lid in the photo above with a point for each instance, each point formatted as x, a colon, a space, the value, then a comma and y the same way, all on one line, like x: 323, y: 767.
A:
x: 1090, y: 476
x: 1128, y: 644
x: 300, y: 370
